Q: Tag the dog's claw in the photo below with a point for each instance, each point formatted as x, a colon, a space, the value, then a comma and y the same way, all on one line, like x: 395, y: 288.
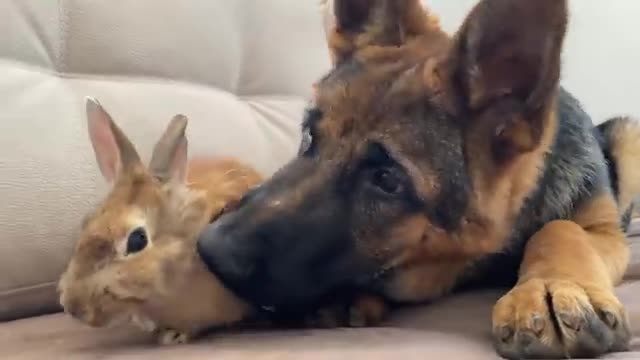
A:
x: 559, y: 319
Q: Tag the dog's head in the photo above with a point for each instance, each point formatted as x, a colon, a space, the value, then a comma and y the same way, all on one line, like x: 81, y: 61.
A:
x: 417, y: 152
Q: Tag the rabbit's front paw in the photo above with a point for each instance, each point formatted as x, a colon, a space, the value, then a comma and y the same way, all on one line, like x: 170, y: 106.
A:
x: 171, y: 337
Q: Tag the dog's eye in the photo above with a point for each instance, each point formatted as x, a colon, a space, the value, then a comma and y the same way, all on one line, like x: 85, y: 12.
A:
x: 387, y: 181
x: 136, y: 241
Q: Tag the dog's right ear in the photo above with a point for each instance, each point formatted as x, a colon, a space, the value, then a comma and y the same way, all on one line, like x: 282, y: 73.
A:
x: 113, y: 150
x: 355, y: 25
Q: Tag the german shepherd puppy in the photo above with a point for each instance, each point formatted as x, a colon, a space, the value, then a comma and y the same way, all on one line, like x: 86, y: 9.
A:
x: 432, y: 162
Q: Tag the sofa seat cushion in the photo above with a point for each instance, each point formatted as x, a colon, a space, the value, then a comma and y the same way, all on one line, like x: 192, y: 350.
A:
x: 457, y: 328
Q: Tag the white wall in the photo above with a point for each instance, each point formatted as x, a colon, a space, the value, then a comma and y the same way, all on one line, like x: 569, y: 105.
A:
x: 601, y: 55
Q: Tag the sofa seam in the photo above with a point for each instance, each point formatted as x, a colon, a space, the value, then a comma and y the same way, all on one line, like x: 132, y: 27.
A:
x: 142, y: 79
x: 22, y: 289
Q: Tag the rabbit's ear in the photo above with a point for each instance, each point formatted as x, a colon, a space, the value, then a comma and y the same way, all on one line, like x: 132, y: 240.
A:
x: 169, y: 158
x: 114, y: 152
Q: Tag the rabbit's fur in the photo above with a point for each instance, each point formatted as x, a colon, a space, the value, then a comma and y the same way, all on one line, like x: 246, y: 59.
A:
x: 163, y: 287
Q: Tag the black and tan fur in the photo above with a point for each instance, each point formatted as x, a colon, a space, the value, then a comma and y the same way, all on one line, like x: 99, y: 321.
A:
x: 431, y: 163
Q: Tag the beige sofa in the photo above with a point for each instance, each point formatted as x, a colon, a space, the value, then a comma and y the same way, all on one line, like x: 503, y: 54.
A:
x: 241, y: 70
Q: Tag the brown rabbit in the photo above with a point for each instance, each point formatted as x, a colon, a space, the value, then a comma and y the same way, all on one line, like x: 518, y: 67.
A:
x: 136, y: 257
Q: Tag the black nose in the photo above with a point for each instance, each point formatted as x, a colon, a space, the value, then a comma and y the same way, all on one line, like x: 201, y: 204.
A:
x: 227, y: 255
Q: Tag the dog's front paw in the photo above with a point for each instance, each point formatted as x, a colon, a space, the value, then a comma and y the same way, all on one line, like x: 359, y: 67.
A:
x: 171, y: 337
x: 547, y: 318
x: 367, y: 310
x: 361, y: 311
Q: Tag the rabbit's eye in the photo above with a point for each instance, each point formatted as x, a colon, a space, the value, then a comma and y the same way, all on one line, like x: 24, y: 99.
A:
x: 137, y: 241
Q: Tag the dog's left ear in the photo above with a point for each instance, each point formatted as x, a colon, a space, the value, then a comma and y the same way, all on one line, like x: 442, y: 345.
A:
x: 354, y: 25
x: 506, y: 60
